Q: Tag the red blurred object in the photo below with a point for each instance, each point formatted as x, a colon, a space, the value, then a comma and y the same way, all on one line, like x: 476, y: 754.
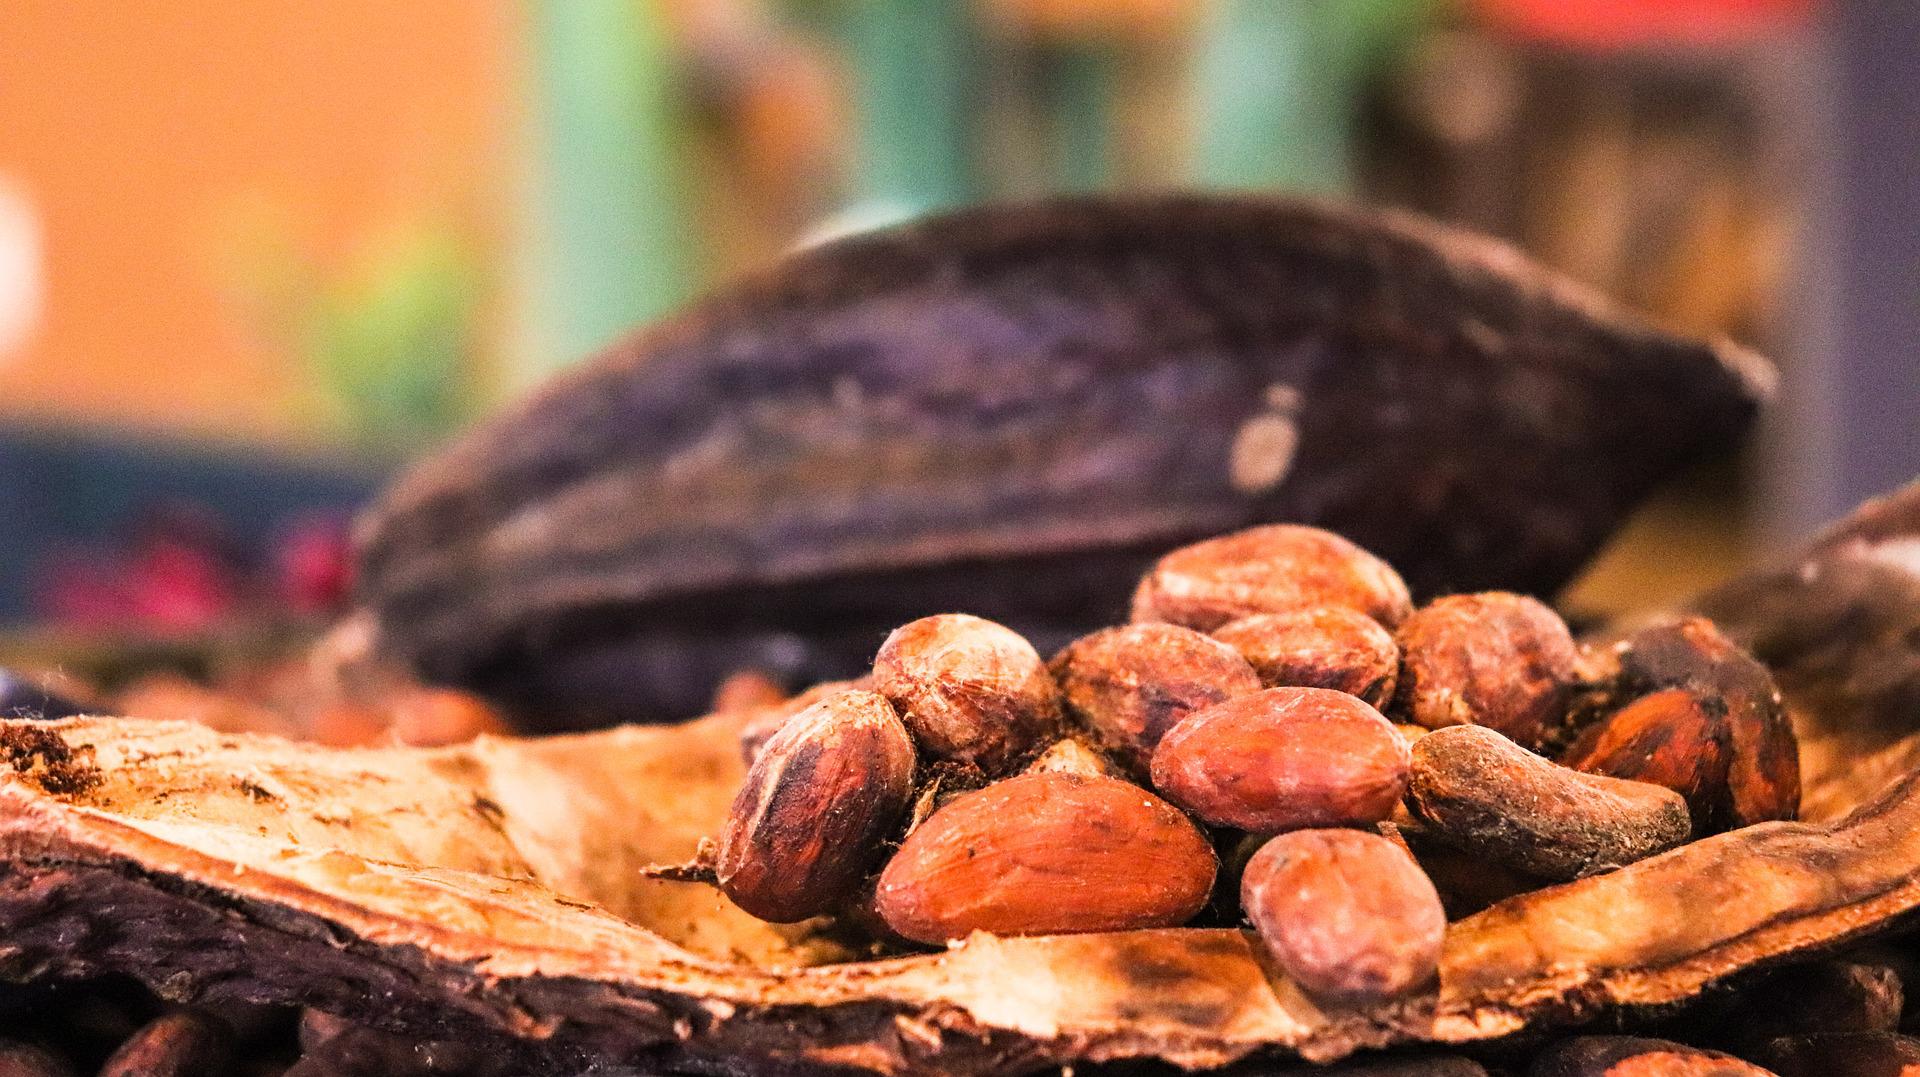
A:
x: 1617, y: 23
x: 180, y: 573
x: 314, y: 565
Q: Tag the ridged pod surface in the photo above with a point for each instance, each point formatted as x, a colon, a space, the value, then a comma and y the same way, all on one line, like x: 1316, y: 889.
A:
x: 1013, y: 411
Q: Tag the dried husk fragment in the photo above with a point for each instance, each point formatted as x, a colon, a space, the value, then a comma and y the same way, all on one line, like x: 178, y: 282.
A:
x: 969, y: 413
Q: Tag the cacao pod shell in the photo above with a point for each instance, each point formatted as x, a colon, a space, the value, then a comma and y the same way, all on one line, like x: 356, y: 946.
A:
x: 1012, y: 412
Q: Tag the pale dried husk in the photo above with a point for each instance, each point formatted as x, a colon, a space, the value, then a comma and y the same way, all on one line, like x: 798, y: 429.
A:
x: 495, y: 888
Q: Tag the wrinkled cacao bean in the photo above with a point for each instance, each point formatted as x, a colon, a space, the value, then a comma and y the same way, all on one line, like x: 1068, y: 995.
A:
x: 1487, y: 795
x: 1283, y: 759
x: 808, y: 823
x: 1705, y: 719
x: 1346, y: 914
x: 1500, y: 660
x: 1325, y: 647
x: 1271, y: 569
x: 1128, y: 685
x: 1047, y: 853
x: 970, y: 691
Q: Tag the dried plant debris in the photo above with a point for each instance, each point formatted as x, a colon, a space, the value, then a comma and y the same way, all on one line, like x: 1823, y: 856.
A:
x: 970, y: 412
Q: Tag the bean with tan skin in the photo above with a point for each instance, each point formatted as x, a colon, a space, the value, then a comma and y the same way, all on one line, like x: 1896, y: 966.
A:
x: 1047, y: 853
x: 808, y: 824
x: 1271, y: 569
x: 1487, y: 795
x: 1325, y: 647
x: 1347, y: 914
x: 1128, y: 685
x: 970, y: 691
x: 1283, y: 759
x: 1500, y: 660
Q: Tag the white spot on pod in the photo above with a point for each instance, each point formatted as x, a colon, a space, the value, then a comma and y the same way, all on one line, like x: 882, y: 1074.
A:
x: 1263, y: 447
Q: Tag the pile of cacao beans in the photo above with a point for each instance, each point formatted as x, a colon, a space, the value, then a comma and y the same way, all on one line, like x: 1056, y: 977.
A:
x: 1279, y: 737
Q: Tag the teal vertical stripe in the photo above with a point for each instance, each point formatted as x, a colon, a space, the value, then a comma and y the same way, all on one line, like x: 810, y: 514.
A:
x: 1277, y: 83
x: 612, y: 240
x: 912, y: 62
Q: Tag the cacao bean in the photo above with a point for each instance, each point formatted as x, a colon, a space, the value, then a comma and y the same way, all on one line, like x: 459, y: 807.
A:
x: 1423, y: 1065
x: 1500, y: 660
x: 746, y: 689
x: 1272, y: 569
x: 808, y: 823
x: 1487, y: 795
x: 1325, y: 647
x: 970, y: 691
x: 28, y: 1060
x: 1071, y: 756
x: 1283, y: 759
x: 1047, y: 853
x: 1814, y: 998
x: 1467, y: 882
x: 1346, y: 914
x: 1128, y: 685
x: 1636, y: 1056
x: 1844, y: 1054
x: 1704, y: 719
x: 183, y: 1044
x: 429, y: 717
x: 764, y: 721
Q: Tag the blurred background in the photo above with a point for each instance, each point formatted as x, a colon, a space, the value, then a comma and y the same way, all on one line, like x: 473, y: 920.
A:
x: 255, y: 256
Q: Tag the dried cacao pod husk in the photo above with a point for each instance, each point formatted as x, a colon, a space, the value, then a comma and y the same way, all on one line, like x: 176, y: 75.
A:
x: 972, y: 413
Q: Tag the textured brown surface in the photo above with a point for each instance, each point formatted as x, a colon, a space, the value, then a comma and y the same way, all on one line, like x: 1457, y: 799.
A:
x: 972, y: 692
x: 1488, y: 796
x: 1323, y: 647
x: 1500, y: 660
x: 1128, y: 685
x: 1013, y: 411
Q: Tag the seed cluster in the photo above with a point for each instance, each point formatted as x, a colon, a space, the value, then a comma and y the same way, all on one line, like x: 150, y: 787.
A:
x: 1367, y: 766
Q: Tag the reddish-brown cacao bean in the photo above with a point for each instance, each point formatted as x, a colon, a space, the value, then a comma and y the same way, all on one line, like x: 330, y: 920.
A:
x: 1128, y: 685
x: 1284, y: 759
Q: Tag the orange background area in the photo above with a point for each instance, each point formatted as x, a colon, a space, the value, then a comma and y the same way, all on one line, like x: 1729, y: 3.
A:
x: 162, y: 144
